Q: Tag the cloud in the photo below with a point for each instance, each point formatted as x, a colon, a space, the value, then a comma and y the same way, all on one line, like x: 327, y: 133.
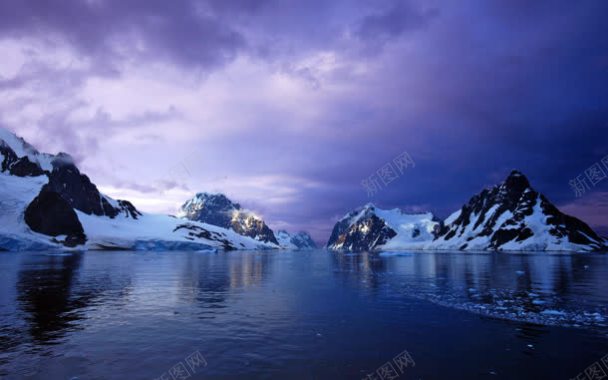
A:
x: 402, y: 17
x: 592, y: 208
x: 82, y: 134
x: 110, y: 31
x: 287, y: 106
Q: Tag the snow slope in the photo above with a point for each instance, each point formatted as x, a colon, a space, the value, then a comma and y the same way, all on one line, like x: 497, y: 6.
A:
x: 414, y: 231
x: 161, y: 232
x: 297, y: 241
x: 16, y: 193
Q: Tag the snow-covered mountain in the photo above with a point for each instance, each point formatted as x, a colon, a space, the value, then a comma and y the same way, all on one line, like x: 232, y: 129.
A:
x: 46, y: 203
x: 297, y: 241
x: 370, y: 228
x: 513, y: 216
x: 218, y: 210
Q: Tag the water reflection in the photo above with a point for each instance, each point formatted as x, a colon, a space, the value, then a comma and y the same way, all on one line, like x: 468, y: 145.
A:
x: 312, y: 314
x: 207, y: 279
x: 46, y: 296
x: 538, y: 288
x: 249, y: 270
x: 362, y: 268
x: 53, y: 293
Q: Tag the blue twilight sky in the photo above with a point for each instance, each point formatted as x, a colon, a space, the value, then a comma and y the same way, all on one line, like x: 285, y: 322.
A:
x: 286, y: 106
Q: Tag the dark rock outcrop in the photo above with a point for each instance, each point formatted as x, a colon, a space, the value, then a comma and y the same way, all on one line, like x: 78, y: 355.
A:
x: 247, y: 224
x: 303, y: 240
x: 77, y: 189
x: 214, y: 209
x: 21, y: 167
x: 195, y: 231
x: 128, y: 209
x: 50, y: 214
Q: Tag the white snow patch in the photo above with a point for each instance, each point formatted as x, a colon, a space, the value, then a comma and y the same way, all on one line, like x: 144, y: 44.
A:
x: 157, y: 232
x: 16, y: 193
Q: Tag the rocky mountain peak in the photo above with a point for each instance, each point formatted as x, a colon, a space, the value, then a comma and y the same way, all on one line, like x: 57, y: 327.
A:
x: 219, y: 210
x: 369, y: 228
x: 514, y: 216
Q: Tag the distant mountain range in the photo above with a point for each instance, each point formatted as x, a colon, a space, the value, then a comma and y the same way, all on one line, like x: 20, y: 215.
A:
x: 47, y: 203
x: 511, y: 216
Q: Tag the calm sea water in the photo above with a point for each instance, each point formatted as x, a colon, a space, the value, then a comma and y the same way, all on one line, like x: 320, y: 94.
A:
x: 300, y: 315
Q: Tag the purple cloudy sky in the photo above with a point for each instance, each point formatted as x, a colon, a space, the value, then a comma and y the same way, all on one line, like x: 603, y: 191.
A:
x: 286, y: 106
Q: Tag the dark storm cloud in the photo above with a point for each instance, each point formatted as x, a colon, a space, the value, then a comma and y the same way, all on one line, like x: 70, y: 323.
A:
x: 202, y: 34
x: 112, y: 30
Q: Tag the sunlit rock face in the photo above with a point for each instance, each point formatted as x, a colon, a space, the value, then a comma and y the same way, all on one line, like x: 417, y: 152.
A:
x: 218, y: 210
x: 370, y: 228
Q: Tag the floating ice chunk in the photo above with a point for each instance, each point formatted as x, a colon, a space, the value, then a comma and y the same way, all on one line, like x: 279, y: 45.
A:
x: 395, y: 253
x: 207, y: 250
x: 552, y: 312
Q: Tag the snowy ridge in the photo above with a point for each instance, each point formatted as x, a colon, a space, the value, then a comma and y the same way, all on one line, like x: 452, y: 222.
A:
x: 23, y: 149
x: 45, y: 193
x: 161, y: 232
x: 45, y: 202
x: 148, y: 232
